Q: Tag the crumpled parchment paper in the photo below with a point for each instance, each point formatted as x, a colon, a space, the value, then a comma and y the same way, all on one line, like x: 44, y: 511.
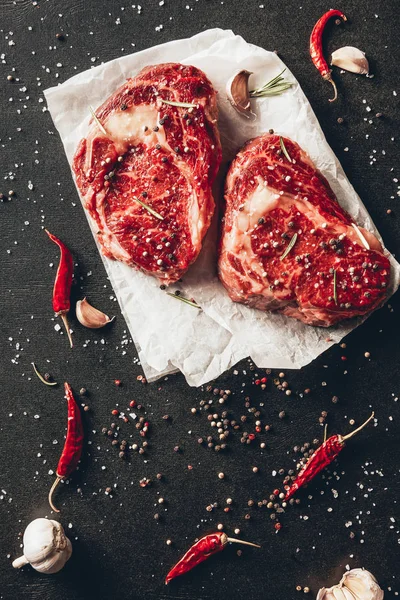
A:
x: 170, y: 335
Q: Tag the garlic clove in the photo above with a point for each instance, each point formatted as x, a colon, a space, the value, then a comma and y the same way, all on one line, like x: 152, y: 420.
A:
x: 325, y: 594
x: 350, y: 59
x: 356, y: 584
x: 362, y: 584
x: 238, y: 93
x: 344, y: 594
x: 333, y: 593
x: 91, y: 317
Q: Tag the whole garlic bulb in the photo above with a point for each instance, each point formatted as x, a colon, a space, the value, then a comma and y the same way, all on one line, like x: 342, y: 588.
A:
x: 46, y: 547
x: 357, y: 584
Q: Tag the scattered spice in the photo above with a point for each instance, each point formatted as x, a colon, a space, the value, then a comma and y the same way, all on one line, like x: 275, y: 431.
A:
x: 72, y: 450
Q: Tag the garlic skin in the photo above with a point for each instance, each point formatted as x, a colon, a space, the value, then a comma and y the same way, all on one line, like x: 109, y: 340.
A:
x: 357, y: 584
x: 238, y: 93
x: 350, y: 59
x: 46, y: 547
x: 91, y: 317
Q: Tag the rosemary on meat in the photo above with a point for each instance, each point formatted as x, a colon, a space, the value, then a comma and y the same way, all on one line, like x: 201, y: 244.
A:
x: 42, y: 379
x: 274, y: 87
x: 182, y: 104
x: 334, y: 286
x: 284, y: 149
x: 185, y: 300
x: 99, y: 125
x: 360, y: 235
x: 149, y: 209
x: 289, y: 246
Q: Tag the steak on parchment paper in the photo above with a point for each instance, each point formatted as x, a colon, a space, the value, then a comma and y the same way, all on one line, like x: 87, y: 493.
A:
x: 166, y: 156
x: 288, y: 246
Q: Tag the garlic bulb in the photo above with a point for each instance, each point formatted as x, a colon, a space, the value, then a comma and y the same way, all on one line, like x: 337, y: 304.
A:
x: 357, y: 584
x: 46, y: 547
x: 238, y: 93
x: 350, y: 59
x: 88, y: 316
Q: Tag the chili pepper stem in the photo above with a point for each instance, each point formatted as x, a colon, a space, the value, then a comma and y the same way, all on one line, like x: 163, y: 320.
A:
x: 349, y: 435
x: 52, y: 490
x: 66, y: 325
x: 329, y: 78
x: 325, y: 432
x: 243, y: 542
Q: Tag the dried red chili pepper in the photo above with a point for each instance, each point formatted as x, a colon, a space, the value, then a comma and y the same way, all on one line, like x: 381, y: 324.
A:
x: 316, y: 50
x: 200, y: 551
x: 321, y: 458
x: 72, y: 450
x: 62, y: 283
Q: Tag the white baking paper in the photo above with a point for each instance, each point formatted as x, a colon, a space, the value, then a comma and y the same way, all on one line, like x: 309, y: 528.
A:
x: 170, y: 335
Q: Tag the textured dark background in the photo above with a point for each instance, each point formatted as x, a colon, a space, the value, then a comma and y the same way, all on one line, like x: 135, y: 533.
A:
x: 120, y: 551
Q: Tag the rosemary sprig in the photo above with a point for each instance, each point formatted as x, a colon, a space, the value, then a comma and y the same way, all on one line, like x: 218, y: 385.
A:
x: 185, y: 300
x: 276, y: 86
x: 149, y: 209
x: 42, y: 379
x: 182, y: 104
x: 284, y: 150
x: 289, y: 246
x: 99, y: 125
x: 334, y: 286
x: 360, y: 235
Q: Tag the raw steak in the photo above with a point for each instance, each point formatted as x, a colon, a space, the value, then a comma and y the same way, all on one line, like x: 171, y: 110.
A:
x: 144, y: 151
x: 288, y: 246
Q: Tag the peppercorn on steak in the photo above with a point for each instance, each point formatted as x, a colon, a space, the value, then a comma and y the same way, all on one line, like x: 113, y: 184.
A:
x: 146, y: 168
x: 287, y: 245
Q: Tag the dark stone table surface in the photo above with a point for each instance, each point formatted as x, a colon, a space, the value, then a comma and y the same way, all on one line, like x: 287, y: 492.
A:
x: 349, y: 517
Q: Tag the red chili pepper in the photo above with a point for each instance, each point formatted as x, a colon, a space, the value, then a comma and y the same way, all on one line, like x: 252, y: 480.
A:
x: 321, y: 458
x: 200, y: 551
x: 316, y: 50
x: 72, y: 450
x: 63, y: 283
